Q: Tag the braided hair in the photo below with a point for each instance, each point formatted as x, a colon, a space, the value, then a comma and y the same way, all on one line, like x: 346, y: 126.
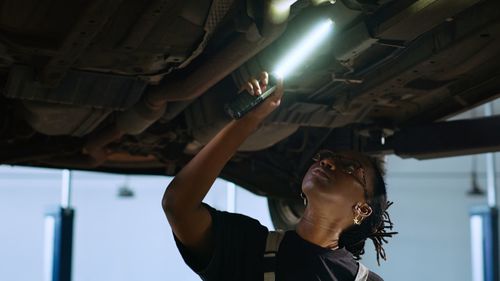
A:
x: 375, y: 226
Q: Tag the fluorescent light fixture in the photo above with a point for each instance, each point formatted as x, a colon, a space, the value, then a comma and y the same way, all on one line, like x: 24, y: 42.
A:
x: 303, y: 48
x: 477, y: 254
x: 48, y: 252
x: 66, y: 188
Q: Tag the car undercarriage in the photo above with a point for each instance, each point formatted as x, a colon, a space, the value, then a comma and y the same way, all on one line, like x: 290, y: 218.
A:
x: 139, y: 87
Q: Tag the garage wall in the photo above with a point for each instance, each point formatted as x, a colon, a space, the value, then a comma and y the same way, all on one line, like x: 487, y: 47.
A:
x: 431, y: 213
x: 126, y: 239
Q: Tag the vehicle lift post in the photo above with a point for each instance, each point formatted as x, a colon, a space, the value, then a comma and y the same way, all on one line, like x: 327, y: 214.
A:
x: 484, y: 227
x: 59, y: 236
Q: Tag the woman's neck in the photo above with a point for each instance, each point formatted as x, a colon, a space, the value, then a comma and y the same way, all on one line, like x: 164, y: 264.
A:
x: 321, y: 230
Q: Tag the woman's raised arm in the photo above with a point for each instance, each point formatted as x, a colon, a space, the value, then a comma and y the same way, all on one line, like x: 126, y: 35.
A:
x: 190, y: 220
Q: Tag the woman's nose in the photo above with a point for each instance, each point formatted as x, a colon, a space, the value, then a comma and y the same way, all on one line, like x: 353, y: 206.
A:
x: 327, y: 164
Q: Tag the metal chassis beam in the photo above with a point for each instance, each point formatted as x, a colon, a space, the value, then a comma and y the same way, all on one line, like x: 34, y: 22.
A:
x: 442, y: 139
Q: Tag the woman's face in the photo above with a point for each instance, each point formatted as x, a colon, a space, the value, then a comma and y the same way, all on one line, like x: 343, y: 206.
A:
x: 338, y: 180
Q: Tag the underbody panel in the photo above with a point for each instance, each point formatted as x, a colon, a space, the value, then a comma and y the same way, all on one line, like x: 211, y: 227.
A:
x: 139, y: 87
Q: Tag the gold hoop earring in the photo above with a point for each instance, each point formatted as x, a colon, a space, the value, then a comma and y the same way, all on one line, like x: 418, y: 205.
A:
x: 304, y: 198
x: 358, y: 218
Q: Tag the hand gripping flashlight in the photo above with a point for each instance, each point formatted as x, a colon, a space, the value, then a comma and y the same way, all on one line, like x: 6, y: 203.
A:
x: 245, y: 101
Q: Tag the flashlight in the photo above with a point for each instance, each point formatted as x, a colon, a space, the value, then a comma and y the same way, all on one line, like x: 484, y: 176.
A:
x: 246, y: 102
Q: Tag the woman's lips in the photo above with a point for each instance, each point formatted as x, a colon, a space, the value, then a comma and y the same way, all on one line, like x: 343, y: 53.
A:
x: 320, y: 173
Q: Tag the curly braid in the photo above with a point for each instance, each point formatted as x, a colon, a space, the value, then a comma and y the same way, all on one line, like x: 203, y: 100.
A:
x: 376, y: 225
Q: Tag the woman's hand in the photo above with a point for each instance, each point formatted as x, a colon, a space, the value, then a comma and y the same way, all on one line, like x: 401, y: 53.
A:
x: 257, y: 87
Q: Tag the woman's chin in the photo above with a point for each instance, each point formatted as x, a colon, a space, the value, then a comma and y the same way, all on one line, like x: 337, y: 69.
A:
x: 317, y: 183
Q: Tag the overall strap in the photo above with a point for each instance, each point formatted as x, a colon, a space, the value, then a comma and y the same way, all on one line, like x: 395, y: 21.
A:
x: 362, y: 273
x: 272, y: 245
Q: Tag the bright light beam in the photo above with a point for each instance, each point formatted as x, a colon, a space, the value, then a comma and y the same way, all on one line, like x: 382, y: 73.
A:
x: 303, y: 49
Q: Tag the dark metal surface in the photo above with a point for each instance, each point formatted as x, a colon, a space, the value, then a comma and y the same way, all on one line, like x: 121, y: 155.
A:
x: 444, y: 139
x: 402, y: 26
x: 89, y: 24
x: 83, y: 88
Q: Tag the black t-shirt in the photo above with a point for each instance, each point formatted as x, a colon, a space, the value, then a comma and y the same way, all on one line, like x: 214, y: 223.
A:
x: 239, y: 249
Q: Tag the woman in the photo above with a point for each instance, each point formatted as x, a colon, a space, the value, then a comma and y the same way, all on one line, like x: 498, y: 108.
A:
x: 346, y: 204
